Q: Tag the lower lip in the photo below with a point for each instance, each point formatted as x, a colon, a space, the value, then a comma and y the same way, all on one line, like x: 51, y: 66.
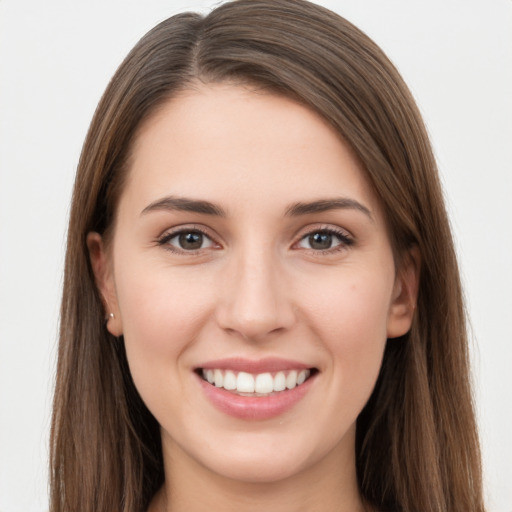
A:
x: 255, y: 408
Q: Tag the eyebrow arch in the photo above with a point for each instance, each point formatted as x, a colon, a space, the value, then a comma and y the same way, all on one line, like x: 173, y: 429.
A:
x: 324, y: 205
x: 185, y: 205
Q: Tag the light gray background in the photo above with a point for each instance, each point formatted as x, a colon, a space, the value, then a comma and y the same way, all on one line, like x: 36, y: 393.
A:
x: 56, y: 57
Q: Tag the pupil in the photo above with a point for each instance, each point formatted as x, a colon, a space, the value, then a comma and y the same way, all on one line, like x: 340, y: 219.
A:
x: 320, y: 241
x: 191, y: 241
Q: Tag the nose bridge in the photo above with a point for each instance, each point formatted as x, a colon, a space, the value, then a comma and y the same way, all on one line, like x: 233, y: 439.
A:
x: 255, y: 302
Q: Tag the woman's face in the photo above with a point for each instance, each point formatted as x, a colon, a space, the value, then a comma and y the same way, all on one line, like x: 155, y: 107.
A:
x: 249, y: 250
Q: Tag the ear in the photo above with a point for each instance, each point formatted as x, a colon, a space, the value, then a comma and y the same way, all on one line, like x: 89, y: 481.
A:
x: 101, y: 264
x: 405, y: 294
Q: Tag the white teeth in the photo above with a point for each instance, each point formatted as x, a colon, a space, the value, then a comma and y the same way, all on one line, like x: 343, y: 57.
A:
x: 291, y: 380
x: 264, y: 383
x: 300, y: 378
x: 245, y: 383
x: 229, y: 380
x: 219, y: 378
x: 261, y: 384
x: 280, y: 381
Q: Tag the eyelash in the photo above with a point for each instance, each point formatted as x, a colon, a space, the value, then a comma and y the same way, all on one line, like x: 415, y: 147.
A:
x: 344, y: 239
x: 167, y: 237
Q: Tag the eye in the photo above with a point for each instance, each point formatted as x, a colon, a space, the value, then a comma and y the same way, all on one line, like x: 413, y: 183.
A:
x: 325, y: 240
x: 187, y: 240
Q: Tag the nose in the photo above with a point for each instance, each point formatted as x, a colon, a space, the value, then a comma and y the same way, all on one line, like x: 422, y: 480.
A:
x: 255, y: 300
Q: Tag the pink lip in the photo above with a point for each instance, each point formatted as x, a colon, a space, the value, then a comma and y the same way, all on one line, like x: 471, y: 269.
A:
x: 269, y: 364
x: 253, y: 407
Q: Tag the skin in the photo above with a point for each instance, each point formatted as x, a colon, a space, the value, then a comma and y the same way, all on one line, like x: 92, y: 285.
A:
x: 256, y: 288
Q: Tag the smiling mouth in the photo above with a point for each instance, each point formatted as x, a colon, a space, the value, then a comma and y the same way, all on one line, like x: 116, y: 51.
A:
x: 256, y: 385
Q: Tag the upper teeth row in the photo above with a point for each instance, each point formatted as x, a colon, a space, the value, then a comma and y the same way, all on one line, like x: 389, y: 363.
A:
x: 261, y: 383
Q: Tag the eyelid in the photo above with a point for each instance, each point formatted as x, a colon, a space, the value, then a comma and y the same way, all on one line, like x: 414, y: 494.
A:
x: 171, y: 233
x: 345, y: 237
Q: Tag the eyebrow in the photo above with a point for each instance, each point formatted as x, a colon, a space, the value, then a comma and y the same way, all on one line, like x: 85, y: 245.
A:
x: 324, y: 205
x: 185, y: 205
x: 295, y: 210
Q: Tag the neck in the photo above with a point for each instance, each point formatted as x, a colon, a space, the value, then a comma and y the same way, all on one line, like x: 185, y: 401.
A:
x: 330, y: 485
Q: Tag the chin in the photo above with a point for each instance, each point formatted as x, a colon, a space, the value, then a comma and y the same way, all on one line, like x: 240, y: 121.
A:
x: 262, y: 458
x: 257, y: 469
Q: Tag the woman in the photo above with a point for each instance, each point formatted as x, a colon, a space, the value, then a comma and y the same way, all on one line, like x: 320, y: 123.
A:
x: 261, y: 298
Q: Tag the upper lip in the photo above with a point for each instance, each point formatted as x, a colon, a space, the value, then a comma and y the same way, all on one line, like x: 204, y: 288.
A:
x: 268, y: 364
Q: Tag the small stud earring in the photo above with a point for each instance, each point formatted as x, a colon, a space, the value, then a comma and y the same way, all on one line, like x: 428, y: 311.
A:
x: 111, y: 316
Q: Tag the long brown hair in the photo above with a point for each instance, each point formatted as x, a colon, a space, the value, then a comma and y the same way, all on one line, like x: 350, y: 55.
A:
x: 417, y: 446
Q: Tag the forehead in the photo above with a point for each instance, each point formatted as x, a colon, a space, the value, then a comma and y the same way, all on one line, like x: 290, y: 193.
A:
x: 222, y: 142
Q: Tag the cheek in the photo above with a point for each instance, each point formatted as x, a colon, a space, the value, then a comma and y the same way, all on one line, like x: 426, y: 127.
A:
x: 158, y: 302
x: 352, y: 305
x: 162, y: 312
x: 351, y: 319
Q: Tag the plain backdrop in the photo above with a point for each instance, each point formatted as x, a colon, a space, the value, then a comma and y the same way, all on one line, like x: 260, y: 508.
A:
x: 56, y: 57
